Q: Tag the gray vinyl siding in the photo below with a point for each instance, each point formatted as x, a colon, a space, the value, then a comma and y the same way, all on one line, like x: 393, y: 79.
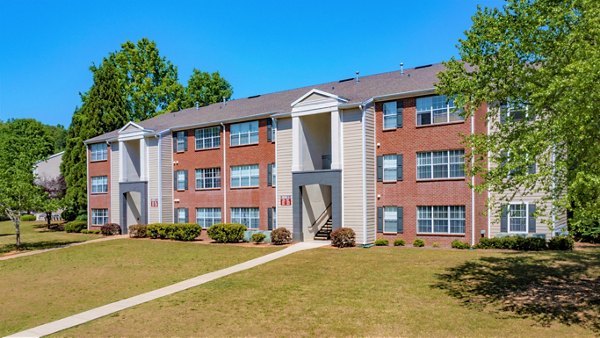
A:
x: 153, y: 179
x: 114, y: 183
x: 166, y: 173
x: 284, y: 171
x: 352, y: 172
x: 370, y: 174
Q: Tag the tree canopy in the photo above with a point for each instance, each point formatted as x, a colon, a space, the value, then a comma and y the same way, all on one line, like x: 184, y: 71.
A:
x: 204, y: 88
x: 544, y: 57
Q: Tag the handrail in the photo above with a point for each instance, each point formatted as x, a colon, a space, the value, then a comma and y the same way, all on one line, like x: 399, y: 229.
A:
x: 321, y: 215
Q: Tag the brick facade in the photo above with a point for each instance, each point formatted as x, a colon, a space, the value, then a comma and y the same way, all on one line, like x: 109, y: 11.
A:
x: 98, y: 200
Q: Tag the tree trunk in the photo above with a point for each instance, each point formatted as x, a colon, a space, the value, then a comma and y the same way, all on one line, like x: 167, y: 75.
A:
x: 17, y: 221
x: 49, y: 218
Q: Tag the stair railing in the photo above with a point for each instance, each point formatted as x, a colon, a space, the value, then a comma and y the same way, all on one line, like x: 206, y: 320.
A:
x: 321, y: 216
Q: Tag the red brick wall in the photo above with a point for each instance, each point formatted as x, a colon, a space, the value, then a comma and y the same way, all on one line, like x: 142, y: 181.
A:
x: 98, y: 200
x: 410, y: 193
x: 262, y: 197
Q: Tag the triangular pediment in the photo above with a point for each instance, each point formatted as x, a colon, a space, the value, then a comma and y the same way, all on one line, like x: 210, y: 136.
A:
x: 316, y: 95
x: 131, y: 127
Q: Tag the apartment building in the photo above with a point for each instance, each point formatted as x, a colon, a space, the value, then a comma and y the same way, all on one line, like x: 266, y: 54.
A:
x: 380, y: 154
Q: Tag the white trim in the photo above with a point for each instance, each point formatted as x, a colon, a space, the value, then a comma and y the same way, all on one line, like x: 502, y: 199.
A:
x: 224, y: 173
x: 472, y: 187
x: 88, y: 184
x: 342, y: 167
x: 320, y: 92
x: 364, y: 174
x: 131, y: 123
x: 160, y: 196
x: 489, y: 209
x: 274, y: 125
x: 526, y: 218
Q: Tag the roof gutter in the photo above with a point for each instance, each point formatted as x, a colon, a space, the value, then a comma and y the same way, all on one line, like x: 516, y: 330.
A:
x: 387, y: 97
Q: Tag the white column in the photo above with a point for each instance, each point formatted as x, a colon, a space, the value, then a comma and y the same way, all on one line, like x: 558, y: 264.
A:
x: 143, y: 165
x: 122, y: 168
x: 297, y: 145
x: 335, y: 140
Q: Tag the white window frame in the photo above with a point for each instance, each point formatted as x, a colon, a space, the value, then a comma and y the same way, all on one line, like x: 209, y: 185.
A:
x: 180, y: 141
x: 390, y: 112
x: 429, y: 110
x: 204, y: 175
x: 206, y: 217
x: 390, y: 211
x: 244, y: 130
x: 510, y: 107
x: 210, y: 136
x: 246, y: 215
x: 100, y: 154
x: 99, y: 215
x: 179, y: 218
x: 274, y: 174
x: 99, y: 184
x: 449, y: 219
x: 509, y: 217
x: 180, y: 177
x: 388, y: 159
x: 249, y: 173
x: 427, y: 160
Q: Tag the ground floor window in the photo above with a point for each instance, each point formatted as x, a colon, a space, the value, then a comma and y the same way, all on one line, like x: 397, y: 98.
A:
x: 206, y: 217
x: 247, y: 216
x: 99, y: 216
x: 517, y: 218
x: 441, y: 219
x: 390, y: 219
x: 181, y: 215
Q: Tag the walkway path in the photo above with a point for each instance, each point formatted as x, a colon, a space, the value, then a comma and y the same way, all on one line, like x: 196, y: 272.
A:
x: 35, y: 252
x: 83, y: 317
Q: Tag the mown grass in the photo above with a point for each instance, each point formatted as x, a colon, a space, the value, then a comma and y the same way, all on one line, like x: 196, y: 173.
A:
x: 35, y: 236
x: 378, y: 292
x: 49, y: 286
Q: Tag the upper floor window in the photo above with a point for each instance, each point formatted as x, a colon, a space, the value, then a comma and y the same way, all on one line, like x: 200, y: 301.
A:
x: 207, y: 138
x: 392, y: 115
x: 181, y: 180
x: 272, y: 175
x: 514, y: 111
x: 441, y: 164
x: 181, y: 141
x: 244, y: 133
x: 244, y: 176
x: 99, y: 152
x: 436, y: 109
x: 390, y: 167
x: 208, y: 178
x: 99, y: 184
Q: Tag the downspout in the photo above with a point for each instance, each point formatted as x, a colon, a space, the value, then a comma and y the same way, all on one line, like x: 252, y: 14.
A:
x: 224, y: 172
x: 87, y: 184
x: 160, y: 159
x: 274, y: 125
x: 363, y: 173
x: 472, y: 185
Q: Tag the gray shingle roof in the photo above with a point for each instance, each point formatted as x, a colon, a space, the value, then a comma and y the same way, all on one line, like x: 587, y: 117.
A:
x: 280, y: 102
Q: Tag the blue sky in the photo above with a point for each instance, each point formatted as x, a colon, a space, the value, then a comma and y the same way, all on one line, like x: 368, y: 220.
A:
x: 260, y: 47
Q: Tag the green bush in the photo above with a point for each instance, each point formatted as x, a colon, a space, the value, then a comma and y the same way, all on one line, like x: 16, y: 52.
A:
x: 93, y: 232
x: 435, y: 244
x: 584, y: 232
x: 82, y: 217
x: 382, y: 242
x: 418, y: 243
x: 75, y: 226
x: 513, y: 243
x: 281, y: 236
x: 68, y: 214
x: 174, y: 231
x: 27, y: 218
x: 110, y: 229
x: 399, y: 242
x: 138, y: 231
x: 226, y: 232
x: 561, y: 242
x: 343, y: 237
x: 258, y: 237
x: 457, y: 244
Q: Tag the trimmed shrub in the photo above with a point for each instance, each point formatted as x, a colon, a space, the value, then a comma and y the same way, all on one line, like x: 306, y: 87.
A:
x: 343, y: 237
x: 75, y: 226
x: 174, y: 231
x: 418, y: 243
x: 110, y: 229
x: 82, y: 217
x: 226, y: 232
x: 27, y: 218
x: 281, y: 236
x: 399, y: 242
x: 93, y: 232
x: 382, y: 242
x: 561, y: 242
x: 258, y: 237
x: 68, y: 214
x: 513, y: 243
x: 457, y: 244
x: 138, y: 231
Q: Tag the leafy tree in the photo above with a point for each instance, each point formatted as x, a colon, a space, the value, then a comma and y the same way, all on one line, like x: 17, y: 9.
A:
x: 54, y: 190
x: 543, y: 55
x: 104, y: 109
x: 59, y: 136
x: 151, y: 83
x: 205, y: 88
x: 22, y: 143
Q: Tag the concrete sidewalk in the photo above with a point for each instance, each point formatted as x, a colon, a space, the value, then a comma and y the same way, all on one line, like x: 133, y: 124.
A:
x: 83, y: 317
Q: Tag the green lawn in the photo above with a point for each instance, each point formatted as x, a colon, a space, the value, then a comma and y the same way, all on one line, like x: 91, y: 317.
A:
x: 381, y: 292
x: 35, y: 236
x: 49, y: 286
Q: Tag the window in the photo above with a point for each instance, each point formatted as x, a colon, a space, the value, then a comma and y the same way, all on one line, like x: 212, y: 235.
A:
x: 244, y: 176
x: 244, y: 133
x: 99, y: 184
x: 436, y: 109
x: 390, y: 167
x: 206, y: 217
x: 441, y: 164
x: 181, y: 215
x: 513, y: 110
x: 271, y: 218
x: 181, y: 180
x: 208, y: 138
x: 272, y: 178
x: 180, y: 141
x: 390, y: 219
x: 208, y: 178
x: 517, y: 218
x: 246, y: 216
x: 441, y: 219
x: 99, y: 216
x: 392, y: 115
x: 99, y: 152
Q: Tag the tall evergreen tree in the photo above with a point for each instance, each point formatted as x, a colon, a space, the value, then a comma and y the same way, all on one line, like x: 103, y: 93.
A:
x: 204, y: 89
x: 104, y: 109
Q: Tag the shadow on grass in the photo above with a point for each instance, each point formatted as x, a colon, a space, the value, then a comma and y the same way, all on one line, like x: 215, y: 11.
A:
x: 548, y: 287
x: 27, y: 246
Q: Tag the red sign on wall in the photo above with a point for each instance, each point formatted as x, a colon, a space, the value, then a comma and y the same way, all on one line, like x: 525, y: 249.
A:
x: 285, y: 200
x: 154, y: 203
